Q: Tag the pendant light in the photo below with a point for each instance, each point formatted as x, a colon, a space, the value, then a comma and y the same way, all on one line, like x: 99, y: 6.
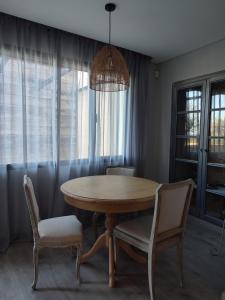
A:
x: 109, y: 72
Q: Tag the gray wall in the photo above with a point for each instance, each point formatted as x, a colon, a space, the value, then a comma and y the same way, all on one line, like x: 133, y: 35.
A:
x: 199, y: 62
x: 149, y: 147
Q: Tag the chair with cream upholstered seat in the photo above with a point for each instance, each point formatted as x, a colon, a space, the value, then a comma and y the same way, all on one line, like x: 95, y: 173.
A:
x: 57, y: 232
x: 165, y: 229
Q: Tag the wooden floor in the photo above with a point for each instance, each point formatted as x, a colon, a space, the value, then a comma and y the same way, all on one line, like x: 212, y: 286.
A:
x: 204, y: 273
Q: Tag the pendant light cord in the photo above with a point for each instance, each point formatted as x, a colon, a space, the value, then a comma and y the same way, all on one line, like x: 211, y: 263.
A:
x: 109, y: 28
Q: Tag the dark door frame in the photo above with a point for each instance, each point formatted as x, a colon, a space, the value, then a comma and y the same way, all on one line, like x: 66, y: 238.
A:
x: 205, y: 81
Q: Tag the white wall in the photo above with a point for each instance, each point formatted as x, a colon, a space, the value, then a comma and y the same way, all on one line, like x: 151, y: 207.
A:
x: 199, y: 62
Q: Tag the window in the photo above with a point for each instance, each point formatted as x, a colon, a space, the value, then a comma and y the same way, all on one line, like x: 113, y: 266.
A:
x: 27, y: 111
x: 110, y: 115
x: 46, y: 112
x: 74, y: 114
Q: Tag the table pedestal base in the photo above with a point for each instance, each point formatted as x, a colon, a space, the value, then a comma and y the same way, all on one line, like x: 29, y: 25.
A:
x: 105, y: 240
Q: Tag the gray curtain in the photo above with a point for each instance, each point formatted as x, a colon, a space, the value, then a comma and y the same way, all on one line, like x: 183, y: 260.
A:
x: 52, y: 126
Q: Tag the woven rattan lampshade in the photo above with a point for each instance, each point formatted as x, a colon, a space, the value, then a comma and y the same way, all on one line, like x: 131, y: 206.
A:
x: 109, y: 72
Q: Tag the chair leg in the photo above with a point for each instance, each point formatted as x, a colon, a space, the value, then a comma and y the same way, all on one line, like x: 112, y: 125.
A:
x: 73, y: 251
x: 94, y: 224
x: 35, y: 264
x: 116, y: 252
x: 151, y: 268
x: 78, y: 264
x: 180, y: 262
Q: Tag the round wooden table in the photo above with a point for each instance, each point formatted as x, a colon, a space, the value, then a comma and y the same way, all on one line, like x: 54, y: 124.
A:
x: 109, y: 194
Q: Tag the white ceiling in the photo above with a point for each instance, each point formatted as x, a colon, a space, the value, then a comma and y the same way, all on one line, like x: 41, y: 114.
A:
x: 162, y: 29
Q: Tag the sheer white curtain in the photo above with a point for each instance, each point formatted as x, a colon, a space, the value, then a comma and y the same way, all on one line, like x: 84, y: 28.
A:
x: 52, y: 126
x: 80, y: 128
x: 28, y: 115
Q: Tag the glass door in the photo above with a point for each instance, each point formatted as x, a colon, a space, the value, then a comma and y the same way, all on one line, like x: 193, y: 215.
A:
x: 188, y: 138
x: 214, y: 204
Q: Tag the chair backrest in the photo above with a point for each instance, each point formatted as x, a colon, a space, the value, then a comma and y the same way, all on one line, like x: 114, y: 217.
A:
x: 125, y: 171
x: 32, y: 205
x: 171, y: 209
x: 170, y: 215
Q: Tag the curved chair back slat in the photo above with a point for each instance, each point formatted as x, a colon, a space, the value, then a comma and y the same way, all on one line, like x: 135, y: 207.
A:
x: 124, y: 171
x: 32, y: 205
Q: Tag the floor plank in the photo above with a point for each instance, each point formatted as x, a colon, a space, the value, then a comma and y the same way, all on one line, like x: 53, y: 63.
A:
x: 204, y: 273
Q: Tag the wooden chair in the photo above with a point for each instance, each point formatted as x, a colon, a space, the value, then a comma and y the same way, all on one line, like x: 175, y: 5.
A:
x: 57, y: 232
x: 165, y: 229
x: 124, y: 171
